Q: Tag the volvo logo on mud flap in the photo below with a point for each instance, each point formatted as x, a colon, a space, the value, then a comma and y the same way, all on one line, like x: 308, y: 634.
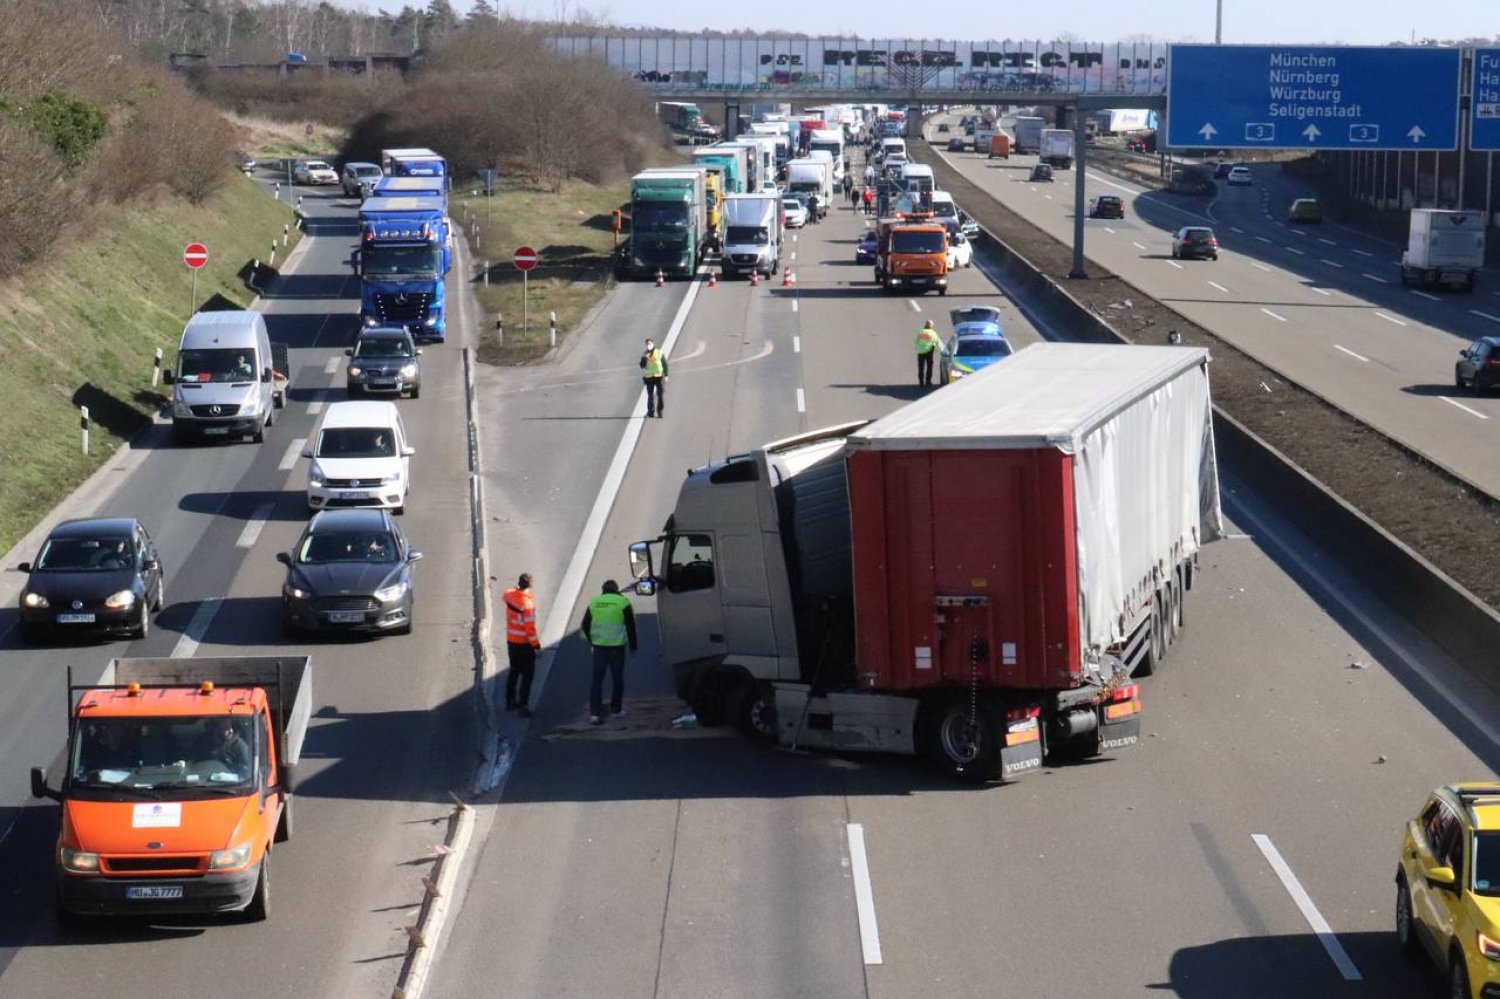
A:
x: 1035, y: 761
x: 1127, y: 740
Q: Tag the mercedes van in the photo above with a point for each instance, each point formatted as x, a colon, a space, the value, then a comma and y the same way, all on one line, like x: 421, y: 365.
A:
x: 224, y: 379
x: 360, y: 457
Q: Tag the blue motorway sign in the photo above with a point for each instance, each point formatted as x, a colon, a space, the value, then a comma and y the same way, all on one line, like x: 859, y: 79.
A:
x: 1326, y: 97
x: 1484, y: 112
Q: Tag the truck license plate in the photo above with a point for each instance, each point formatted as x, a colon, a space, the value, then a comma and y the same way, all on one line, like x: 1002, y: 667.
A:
x: 142, y: 892
x: 345, y: 617
x: 75, y: 619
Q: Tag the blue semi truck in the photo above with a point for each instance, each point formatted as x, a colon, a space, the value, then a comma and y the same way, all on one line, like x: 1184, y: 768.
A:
x: 405, y: 249
x: 413, y: 163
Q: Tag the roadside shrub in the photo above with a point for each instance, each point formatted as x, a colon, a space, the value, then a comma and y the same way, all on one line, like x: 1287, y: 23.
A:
x: 170, y: 140
x: 36, y: 201
x: 72, y: 125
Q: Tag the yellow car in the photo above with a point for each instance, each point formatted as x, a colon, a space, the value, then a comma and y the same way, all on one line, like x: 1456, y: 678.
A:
x: 1448, y: 887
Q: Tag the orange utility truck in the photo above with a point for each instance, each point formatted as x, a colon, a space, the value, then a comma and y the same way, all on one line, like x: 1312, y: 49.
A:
x: 911, y: 254
x: 177, y: 782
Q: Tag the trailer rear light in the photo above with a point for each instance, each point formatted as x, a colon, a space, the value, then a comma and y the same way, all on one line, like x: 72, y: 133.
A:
x: 1123, y: 702
x: 1021, y: 726
x: 1125, y: 692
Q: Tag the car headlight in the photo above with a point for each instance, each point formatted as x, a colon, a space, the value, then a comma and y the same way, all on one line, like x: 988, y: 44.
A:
x: 295, y: 592
x: 355, y: 371
x: 1489, y: 947
x: 235, y: 856
x: 315, y: 476
x: 251, y: 406
x: 33, y: 600
x: 180, y: 408
x: 77, y: 861
x: 121, y: 600
x: 410, y: 371
x: 386, y: 480
x: 433, y: 319
x: 370, y: 320
x: 387, y: 594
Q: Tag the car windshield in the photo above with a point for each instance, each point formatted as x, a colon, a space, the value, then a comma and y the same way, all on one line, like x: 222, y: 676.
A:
x: 130, y: 756
x: 85, y: 554
x: 367, y: 171
x: 917, y: 242
x: 1108, y: 201
x: 983, y: 346
x: 383, y: 260
x: 346, y: 546
x: 742, y: 234
x: 1487, y: 863
x: 356, y: 442
x: 791, y: 205
x: 1197, y: 236
x: 658, y: 217
x: 216, y: 364
x: 382, y: 346
x: 318, y: 165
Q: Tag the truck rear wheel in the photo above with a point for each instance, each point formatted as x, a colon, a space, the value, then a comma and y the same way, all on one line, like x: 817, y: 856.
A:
x: 260, y: 903
x: 967, y: 747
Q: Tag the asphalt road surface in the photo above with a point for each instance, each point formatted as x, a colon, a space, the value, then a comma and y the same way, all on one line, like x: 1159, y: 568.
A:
x: 1323, y: 304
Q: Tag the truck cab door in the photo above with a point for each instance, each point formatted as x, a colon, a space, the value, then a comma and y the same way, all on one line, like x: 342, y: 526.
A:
x: 689, y: 602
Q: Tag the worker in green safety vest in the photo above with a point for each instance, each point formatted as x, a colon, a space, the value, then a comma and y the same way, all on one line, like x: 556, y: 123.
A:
x: 928, y: 344
x: 608, y: 626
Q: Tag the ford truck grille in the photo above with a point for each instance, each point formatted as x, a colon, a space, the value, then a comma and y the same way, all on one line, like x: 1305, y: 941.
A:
x: 146, y: 865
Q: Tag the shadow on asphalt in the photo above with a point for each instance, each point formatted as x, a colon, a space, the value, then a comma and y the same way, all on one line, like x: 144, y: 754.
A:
x: 1295, y: 966
x: 286, y: 505
x: 906, y: 393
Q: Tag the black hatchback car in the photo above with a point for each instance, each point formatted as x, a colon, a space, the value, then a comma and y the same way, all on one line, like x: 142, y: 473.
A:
x: 1042, y: 171
x: 384, y: 359
x: 350, y: 571
x: 1107, y: 206
x: 93, y: 577
x: 1478, y: 365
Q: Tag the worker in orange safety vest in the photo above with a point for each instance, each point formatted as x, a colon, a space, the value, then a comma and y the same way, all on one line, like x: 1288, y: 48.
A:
x: 522, y: 643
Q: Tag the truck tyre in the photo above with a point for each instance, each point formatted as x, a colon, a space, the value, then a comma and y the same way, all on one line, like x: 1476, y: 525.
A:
x: 752, y: 709
x: 284, y: 824
x: 955, y: 744
x: 260, y: 903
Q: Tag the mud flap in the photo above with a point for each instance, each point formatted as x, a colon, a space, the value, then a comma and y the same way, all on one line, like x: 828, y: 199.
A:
x: 1023, y: 745
x: 1120, y: 734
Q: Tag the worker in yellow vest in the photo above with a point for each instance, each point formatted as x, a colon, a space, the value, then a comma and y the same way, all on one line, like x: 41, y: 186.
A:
x: 928, y: 345
x: 654, y: 374
x: 608, y: 626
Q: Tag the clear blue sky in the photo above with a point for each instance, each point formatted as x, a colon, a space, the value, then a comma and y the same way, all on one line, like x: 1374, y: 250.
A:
x: 1353, y: 22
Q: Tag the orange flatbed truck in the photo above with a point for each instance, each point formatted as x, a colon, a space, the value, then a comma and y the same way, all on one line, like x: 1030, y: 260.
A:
x: 177, y: 782
x: 911, y: 254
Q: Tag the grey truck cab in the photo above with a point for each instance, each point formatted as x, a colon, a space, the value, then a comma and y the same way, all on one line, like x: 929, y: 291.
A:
x: 224, y: 380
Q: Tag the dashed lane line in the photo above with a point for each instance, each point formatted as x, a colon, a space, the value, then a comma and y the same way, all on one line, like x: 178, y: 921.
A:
x: 255, y: 525
x: 1357, y: 357
x: 1466, y: 409
x: 1330, y: 263
x: 1309, y: 911
x: 293, y: 452
x: 1215, y: 284
x: 801, y: 401
x: 1372, y: 277
x: 1391, y: 319
x: 1279, y: 319
x: 1430, y: 297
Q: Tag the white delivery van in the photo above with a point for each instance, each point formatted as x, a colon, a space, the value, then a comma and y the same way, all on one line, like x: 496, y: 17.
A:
x: 917, y: 178
x: 892, y: 146
x: 943, y: 207
x: 360, y: 457
x: 752, y: 234
x: 224, y: 380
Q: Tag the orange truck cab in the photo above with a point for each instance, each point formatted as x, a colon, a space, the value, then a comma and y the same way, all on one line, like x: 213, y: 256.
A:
x: 912, y: 254
x: 1000, y: 145
x: 176, y: 784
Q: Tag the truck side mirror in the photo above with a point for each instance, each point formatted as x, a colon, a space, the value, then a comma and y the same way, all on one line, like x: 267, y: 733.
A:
x: 265, y: 374
x: 645, y: 587
x: 287, y: 778
x: 24, y: 567
x: 640, y: 560
x: 39, y: 788
x: 167, y: 377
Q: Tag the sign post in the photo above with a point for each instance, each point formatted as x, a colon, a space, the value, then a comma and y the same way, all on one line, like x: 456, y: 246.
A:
x: 195, y: 255
x: 525, y: 260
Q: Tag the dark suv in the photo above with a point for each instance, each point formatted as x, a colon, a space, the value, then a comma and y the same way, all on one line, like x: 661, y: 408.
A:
x: 1107, y: 206
x: 1195, y: 241
x: 1478, y: 365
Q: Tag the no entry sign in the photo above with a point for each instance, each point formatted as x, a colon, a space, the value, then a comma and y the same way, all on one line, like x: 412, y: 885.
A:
x: 195, y: 255
x: 525, y: 258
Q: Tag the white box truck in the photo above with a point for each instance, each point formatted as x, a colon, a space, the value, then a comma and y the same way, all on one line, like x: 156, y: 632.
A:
x: 1057, y: 148
x: 811, y: 176
x: 752, y: 234
x: 1443, y: 247
x: 1029, y: 133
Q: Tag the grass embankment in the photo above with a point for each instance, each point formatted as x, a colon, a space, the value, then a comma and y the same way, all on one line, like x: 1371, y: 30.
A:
x: 82, y: 328
x: 268, y: 140
x: 569, y: 230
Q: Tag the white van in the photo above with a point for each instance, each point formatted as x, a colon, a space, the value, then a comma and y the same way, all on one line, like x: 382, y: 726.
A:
x: 943, y: 206
x: 224, y: 378
x: 917, y: 178
x: 892, y: 146
x: 360, y: 457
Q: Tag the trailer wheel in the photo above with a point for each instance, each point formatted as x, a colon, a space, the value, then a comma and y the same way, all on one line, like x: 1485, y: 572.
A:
x: 964, y: 747
x: 1174, y: 608
x: 752, y: 709
x: 260, y: 903
x: 284, y: 824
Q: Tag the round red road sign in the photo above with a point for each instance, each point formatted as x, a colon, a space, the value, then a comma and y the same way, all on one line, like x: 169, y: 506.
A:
x: 195, y: 255
x: 525, y: 258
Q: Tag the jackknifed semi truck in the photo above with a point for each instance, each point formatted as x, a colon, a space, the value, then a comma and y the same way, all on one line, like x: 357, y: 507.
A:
x: 977, y: 578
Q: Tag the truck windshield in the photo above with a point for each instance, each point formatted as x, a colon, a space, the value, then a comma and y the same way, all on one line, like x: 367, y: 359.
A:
x: 658, y: 217
x: 181, y: 753
x: 378, y: 261
x: 217, y: 364
x: 742, y: 234
x: 916, y: 242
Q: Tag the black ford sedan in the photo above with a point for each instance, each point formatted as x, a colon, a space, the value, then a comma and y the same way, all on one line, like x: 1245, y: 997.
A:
x: 350, y: 571
x: 99, y: 576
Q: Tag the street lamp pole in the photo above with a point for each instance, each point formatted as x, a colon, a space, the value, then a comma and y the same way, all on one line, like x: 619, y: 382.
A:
x: 1218, y: 22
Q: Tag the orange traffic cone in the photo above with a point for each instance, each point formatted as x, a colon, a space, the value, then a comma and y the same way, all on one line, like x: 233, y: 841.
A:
x: 661, y: 278
x: 788, y: 279
x: 713, y: 279
x: 755, y: 279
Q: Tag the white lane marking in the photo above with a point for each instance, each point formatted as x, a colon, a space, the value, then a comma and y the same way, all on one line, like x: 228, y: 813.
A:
x: 796, y: 345
x: 801, y: 401
x: 698, y: 347
x: 332, y: 365
x: 1215, y: 284
x: 1279, y: 319
x: 794, y: 254
x: 1330, y: 263
x: 1327, y: 241
x: 1256, y: 263
x: 1138, y: 246
x: 1047, y: 196
x: 1372, y: 277
x: 196, y: 628
x: 1175, y: 264
x: 864, y: 894
x: 1362, y: 253
x: 795, y: 306
x: 1310, y: 912
x: 1263, y: 239
x: 1235, y: 228
x: 1109, y: 230
x: 315, y: 407
x: 914, y: 306
x: 1352, y: 354
x: 1427, y: 295
x: 1320, y: 291
x: 1466, y: 409
x: 254, y: 525
x: 1485, y: 315
x: 1390, y: 319
x: 1293, y: 249
x: 293, y: 452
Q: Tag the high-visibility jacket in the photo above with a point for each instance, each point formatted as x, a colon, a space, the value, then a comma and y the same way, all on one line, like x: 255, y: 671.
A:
x: 655, y: 365
x: 606, y: 620
x: 520, y: 618
x: 927, y: 340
